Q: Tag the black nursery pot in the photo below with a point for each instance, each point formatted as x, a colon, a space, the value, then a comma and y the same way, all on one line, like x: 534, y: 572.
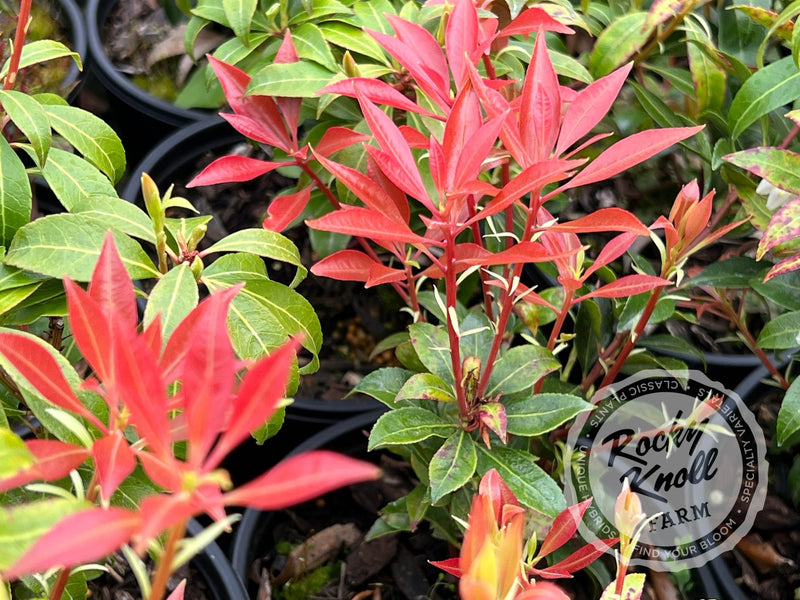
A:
x: 216, y: 571
x: 137, y: 116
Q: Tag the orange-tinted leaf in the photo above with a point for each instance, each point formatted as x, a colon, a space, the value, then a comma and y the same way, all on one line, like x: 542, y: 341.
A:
x: 450, y: 565
x: 628, y: 152
x: 542, y: 590
x: 584, y: 556
x: 603, y: 219
x: 82, y: 537
x: 234, y: 168
x: 161, y: 511
x: 283, y: 210
x: 590, y: 105
x: 626, y: 286
x: 612, y: 251
x: 355, y: 220
x: 377, y: 91
x: 785, y: 266
x: 338, y: 138
x: 564, y: 527
x: 301, y: 478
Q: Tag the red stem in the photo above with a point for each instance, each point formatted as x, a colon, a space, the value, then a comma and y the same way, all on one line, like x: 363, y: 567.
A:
x: 19, y: 42
x: 450, y: 302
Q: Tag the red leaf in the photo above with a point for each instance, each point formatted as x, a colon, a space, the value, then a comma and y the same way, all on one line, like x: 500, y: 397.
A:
x: 28, y: 356
x: 377, y: 91
x: 603, y: 219
x: 83, y: 537
x: 54, y: 460
x: 233, y: 168
x: 253, y: 129
x: 257, y: 399
x: 564, y: 527
x: 542, y: 590
x: 398, y: 176
x: 301, y: 478
x: 524, y: 252
x: 462, y: 123
x: 113, y: 460
x: 352, y: 265
x: 449, y: 565
x: 531, y: 20
x: 611, y: 251
x: 208, y: 374
x: 540, y: 104
x: 177, y: 593
x: 461, y: 39
x: 365, y: 189
x: 355, y: 220
x: 630, y: 285
x: 628, y: 152
x: 531, y: 179
x: 161, y: 511
x: 283, y: 210
x: 91, y: 329
x: 590, y: 105
x: 111, y: 285
x: 403, y: 172
x: 338, y: 138
x: 584, y: 556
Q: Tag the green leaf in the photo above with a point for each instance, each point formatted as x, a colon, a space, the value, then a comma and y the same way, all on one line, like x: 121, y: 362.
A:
x: 532, y: 486
x: 47, y: 299
x: 782, y: 290
x: 425, y: 386
x: 22, y: 525
x: 14, y: 454
x: 12, y: 297
x: 618, y: 42
x: 74, y: 179
x: 239, y: 14
x: 15, y: 193
x: 781, y: 333
x: 708, y: 78
x: 318, y: 9
x: 453, y: 465
x: 294, y: 80
x: 383, y: 384
x: 41, y: 51
x: 669, y: 344
x: 91, y: 136
x: 173, y: 297
x: 739, y: 36
x: 232, y: 52
x: 408, y: 425
x: 353, y: 39
x: 271, y: 427
x: 476, y: 336
x: 30, y: 118
x: 117, y: 213
x: 541, y: 413
x: 779, y: 166
x: 519, y: 369
x: 372, y: 15
x: 262, y: 242
x: 766, y: 90
x: 68, y: 245
x: 736, y: 272
x: 235, y: 267
x: 311, y: 44
x: 432, y: 346
x: 789, y: 414
x: 587, y: 328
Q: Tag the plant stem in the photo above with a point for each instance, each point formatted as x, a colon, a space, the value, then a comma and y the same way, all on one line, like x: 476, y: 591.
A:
x: 451, y: 288
x: 19, y: 42
x: 158, y: 586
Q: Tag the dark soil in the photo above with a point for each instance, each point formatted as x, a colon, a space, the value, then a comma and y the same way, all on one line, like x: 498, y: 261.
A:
x: 120, y: 584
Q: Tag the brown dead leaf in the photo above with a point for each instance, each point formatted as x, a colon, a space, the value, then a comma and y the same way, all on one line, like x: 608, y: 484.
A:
x: 320, y: 548
x: 762, y: 554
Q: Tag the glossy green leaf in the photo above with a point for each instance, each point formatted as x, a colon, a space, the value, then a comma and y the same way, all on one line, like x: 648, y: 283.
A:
x: 519, y: 369
x: 310, y: 43
x: 453, y: 465
x: 541, y: 413
x: 353, y: 39
x: 239, y: 14
x: 781, y: 333
x: 383, y: 384
x: 739, y: 36
x: 30, y: 118
x: 69, y: 245
x: 789, y: 413
x: 587, y: 327
x: 408, y: 425
x: 295, y: 80
x: 532, y: 486
x: 73, y: 179
x: 708, y: 78
x: 669, y: 344
x: 22, y: 525
x: 235, y: 267
x: 15, y: 193
x: 263, y: 243
x: 173, y: 297
x: 47, y: 299
x: 618, y: 42
x: 779, y: 166
x: 91, y: 136
x: 432, y: 346
x: 116, y: 213
x: 41, y: 51
x: 14, y: 454
x: 736, y: 272
x: 318, y: 9
x: 12, y: 297
x: 782, y: 290
x: 425, y: 386
x: 766, y: 90
x: 372, y: 15
x: 476, y: 336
